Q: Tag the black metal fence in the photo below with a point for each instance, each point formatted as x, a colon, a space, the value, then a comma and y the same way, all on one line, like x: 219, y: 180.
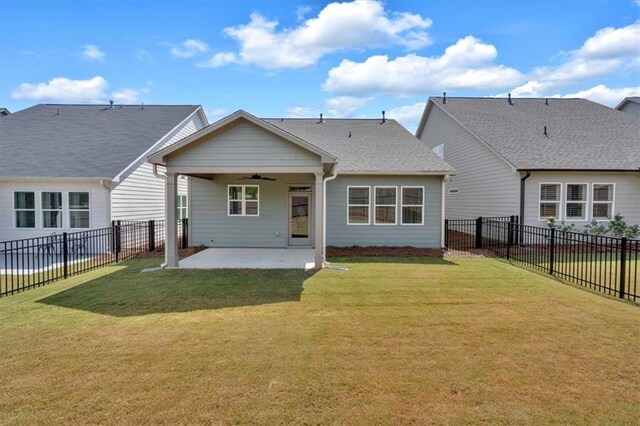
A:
x: 32, y: 262
x: 606, y: 264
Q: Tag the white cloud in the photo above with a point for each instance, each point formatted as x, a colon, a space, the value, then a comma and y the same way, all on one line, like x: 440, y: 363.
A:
x: 345, y: 106
x: 189, y: 48
x: 408, y: 115
x: 603, y: 94
x: 609, y: 50
x: 302, y: 112
x: 467, y: 64
x: 62, y: 89
x: 93, y: 52
x: 301, y: 12
x: 216, y: 114
x: 357, y: 24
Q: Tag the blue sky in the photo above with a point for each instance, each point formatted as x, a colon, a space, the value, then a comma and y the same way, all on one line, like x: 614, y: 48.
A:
x: 300, y: 58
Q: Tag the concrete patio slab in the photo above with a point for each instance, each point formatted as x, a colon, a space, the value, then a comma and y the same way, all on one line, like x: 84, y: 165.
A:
x: 250, y: 258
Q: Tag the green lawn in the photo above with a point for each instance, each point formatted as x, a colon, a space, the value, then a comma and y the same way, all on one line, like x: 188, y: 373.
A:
x: 389, y: 341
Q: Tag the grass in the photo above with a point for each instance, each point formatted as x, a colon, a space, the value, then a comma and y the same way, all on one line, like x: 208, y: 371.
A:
x: 402, y: 340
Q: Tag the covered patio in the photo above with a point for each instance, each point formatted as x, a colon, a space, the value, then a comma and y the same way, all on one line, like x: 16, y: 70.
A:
x: 253, y: 258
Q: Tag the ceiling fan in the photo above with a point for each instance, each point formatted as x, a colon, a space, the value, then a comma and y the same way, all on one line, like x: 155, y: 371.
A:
x: 256, y: 177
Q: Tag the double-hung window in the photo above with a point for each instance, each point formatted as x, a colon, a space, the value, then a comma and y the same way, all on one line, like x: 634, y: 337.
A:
x: 182, y: 206
x: 24, y: 204
x: 79, y: 210
x: 550, y: 201
x: 244, y: 200
x: 358, y: 205
x: 412, y: 205
x: 51, y: 209
x: 576, y: 201
x: 385, y: 205
x: 602, y: 201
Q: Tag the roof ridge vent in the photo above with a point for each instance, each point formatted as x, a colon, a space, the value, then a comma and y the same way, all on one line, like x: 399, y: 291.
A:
x: 510, y: 101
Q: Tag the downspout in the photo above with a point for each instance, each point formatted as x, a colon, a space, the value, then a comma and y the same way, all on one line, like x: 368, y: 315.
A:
x: 522, y: 193
x: 164, y: 178
x: 445, y: 179
x: 324, y: 216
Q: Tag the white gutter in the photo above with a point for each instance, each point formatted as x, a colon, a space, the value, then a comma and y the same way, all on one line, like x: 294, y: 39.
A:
x: 326, y: 264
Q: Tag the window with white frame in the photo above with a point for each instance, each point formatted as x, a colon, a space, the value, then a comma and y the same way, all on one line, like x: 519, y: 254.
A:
x: 576, y: 201
x: 358, y: 205
x: 412, y: 205
x: 51, y: 209
x: 244, y: 200
x: 79, y: 210
x: 24, y: 204
x: 182, y: 206
x: 602, y: 201
x: 439, y: 150
x: 549, y: 201
x: 385, y: 205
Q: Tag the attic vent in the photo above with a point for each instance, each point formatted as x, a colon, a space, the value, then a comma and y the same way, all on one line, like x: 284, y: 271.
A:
x: 510, y: 101
x: 444, y: 97
x: 546, y: 101
x: 383, y: 118
x: 321, y: 119
x: 111, y: 103
x: 545, y: 131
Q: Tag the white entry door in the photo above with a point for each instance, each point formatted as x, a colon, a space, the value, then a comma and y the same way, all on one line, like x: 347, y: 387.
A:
x: 300, y: 219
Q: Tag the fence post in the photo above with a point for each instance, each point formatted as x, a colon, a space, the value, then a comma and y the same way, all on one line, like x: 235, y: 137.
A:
x: 623, y: 267
x: 479, y: 232
x: 65, y: 255
x: 552, y: 250
x: 118, y: 245
x: 446, y: 233
x: 510, y: 233
x: 152, y: 235
x: 185, y: 230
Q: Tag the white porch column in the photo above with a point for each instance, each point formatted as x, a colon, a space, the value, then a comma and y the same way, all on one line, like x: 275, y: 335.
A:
x: 319, y: 197
x: 171, y: 238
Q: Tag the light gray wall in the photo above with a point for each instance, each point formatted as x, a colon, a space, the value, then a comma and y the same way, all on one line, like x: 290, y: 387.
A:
x: 626, y: 197
x: 339, y: 233
x: 211, y: 226
x: 487, y: 185
x: 632, y: 108
x: 98, y: 205
x: 140, y: 196
x: 243, y: 144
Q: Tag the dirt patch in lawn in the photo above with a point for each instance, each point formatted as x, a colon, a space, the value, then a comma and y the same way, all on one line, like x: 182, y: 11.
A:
x: 469, y: 253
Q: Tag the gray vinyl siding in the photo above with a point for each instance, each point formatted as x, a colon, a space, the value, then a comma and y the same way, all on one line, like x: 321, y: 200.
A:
x: 140, y: 196
x: 244, y: 144
x: 487, y: 185
x: 340, y: 234
x: 98, y: 205
x: 632, y: 108
x: 626, y: 196
x: 211, y: 226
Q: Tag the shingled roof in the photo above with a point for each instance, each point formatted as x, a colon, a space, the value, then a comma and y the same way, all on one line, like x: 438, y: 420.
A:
x: 72, y: 141
x: 581, y: 135
x: 366, y: 145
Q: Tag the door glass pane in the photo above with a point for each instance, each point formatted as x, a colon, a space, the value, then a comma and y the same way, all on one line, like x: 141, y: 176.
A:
x: 235, y: 192
x: 251, y: 192
x: 235, y: 207
x: 299, y: 217
x: 251, y: 208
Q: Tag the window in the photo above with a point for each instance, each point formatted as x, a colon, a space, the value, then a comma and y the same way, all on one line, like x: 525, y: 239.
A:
x: 182, y: 206
x: 549, y: 201
x: 412, y: 205
x: 79, y: 210
x: 576, y: 201
x: 385, y: 205
x: 439, y: 150
x: 243, y: 200
x: 51, y: 209
x: 358, y: 205
x: 24, y: 203
x: 603, y: 201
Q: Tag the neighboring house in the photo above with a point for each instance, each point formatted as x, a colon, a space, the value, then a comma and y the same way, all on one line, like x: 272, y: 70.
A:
x: 630, y: 105
x: 4, y: 112
x: 568, y: 159
x: 66, y: 168
x: 262, y: 183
